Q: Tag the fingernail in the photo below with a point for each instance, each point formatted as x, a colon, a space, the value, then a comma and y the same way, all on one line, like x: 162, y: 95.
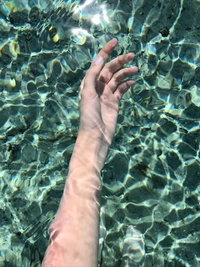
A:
x: 135, y: 68
x: 98, y: 60
x: 131, y: 55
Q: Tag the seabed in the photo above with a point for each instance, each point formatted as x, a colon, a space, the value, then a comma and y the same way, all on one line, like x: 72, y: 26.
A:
x: 151, y: 178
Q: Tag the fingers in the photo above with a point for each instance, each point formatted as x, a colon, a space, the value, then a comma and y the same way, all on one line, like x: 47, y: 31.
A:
x: 122, y: 89
x: 118, y: 86
x: 98, y: 63
x: 105, y: 51
x: 113, y: 66
x: 111, y: 74
x: 121, y: 75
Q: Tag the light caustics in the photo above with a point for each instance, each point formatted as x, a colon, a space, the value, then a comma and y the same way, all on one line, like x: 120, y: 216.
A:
x: 89, y: 11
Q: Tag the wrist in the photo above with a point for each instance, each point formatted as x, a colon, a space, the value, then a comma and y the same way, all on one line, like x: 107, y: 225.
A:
x: 89, y: 152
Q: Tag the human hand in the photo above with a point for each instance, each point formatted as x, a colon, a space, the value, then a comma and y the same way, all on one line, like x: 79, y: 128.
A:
x: 101, y: 91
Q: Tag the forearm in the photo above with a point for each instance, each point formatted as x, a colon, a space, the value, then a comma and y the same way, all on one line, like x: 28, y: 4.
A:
x: 74, y: 232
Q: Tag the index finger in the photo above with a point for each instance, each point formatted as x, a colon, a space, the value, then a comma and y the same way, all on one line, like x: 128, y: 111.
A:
x: 105, y: 51
x: 99, y: 61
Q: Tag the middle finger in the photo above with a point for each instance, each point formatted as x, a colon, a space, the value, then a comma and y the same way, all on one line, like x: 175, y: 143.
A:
x: 114, y: 65
x: 120, y: 76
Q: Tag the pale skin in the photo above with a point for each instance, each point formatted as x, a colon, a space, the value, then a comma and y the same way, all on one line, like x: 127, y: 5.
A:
x: 74, y: 233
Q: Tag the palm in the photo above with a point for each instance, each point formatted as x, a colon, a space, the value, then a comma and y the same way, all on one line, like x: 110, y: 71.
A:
x: 109, y: 105
x: 100, y: 114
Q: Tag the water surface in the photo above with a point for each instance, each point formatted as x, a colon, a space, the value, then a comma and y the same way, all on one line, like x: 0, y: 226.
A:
x: 151, y: 178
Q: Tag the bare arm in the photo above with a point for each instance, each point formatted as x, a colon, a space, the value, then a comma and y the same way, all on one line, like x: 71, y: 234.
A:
x: 74, y: 233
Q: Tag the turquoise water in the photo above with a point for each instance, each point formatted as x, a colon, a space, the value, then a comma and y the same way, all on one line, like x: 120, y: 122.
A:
x: 151, y: 178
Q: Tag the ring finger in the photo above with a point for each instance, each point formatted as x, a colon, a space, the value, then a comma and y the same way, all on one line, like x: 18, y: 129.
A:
x: 114, y: 65
x: 120, y: 76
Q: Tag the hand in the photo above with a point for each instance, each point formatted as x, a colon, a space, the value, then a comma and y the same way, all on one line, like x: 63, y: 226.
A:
x: 101, y: 91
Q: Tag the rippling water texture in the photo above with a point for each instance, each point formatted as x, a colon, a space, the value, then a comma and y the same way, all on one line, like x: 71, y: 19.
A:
x: 151, y: 179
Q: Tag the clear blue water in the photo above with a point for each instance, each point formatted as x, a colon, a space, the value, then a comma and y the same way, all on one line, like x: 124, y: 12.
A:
x: 151, y: 178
